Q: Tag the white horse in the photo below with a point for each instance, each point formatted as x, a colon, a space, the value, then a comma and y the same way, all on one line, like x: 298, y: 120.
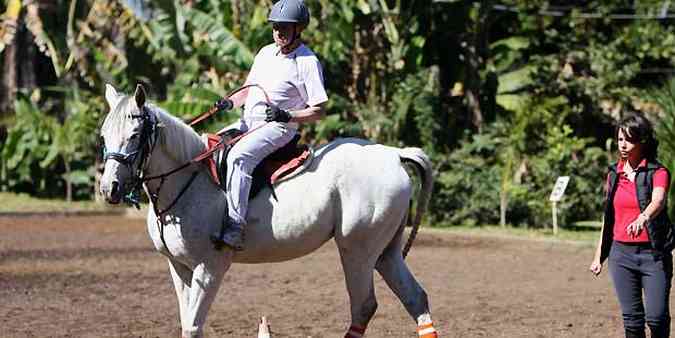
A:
x: 354, y: 191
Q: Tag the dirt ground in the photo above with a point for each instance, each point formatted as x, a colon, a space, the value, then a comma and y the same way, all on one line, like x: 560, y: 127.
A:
x: 99, y: 277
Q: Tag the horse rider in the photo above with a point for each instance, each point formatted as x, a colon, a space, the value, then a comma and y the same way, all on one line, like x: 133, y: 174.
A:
x: 291, y: 76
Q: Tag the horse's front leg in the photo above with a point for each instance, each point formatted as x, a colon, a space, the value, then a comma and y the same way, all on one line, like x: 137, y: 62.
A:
x: 206, y: 280
x: 182, y: 278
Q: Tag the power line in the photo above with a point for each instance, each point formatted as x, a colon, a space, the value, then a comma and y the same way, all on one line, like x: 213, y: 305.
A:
x: 663, y: 13
x: 657, y: 71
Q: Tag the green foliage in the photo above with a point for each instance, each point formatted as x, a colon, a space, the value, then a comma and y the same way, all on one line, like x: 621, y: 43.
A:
x: 411, y: 117
x: 40, y: 148
x: 565, y: 155
x: 27, y: 145
x: 466, y: 190
x: 664, y: 97
x: 470, y: 180
x: 503, y: 101
x: 215, y: 41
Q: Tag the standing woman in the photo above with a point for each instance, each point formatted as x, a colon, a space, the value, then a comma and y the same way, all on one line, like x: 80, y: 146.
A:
x: 637, y: 235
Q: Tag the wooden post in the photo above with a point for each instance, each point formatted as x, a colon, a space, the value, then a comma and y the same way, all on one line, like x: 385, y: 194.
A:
x: 555, y: 217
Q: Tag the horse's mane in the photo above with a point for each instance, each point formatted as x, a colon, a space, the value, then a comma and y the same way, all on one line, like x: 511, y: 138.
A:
x: 178, y: 138
x: 117, y: 120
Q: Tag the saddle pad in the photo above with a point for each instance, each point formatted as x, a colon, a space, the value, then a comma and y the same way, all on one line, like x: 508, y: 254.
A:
x: 287, y: 162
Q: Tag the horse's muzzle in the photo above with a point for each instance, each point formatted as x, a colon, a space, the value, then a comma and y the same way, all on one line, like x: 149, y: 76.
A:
x: 113, y: 193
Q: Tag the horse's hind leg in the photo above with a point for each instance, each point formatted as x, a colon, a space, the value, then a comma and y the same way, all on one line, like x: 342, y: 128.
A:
x: 358, y: 271
x: 400, y: 280
x: 182, y: 277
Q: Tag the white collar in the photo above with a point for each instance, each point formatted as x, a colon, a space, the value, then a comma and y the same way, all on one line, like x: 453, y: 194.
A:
x: 292, y: 54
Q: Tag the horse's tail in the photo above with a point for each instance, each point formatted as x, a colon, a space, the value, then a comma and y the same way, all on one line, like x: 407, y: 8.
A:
x: 423, y: 166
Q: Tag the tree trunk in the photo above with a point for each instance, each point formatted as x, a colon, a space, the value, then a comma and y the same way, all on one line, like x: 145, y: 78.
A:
x: 3, y: 164
x: 26, y: 54
x: 69, y: 185
x: 477, y: 52
x: 474, y: 63
x: 9, y: 83
x: 503, y: 204
x: 8, y: 86
x: 352, y: 90
x: 473, y: 101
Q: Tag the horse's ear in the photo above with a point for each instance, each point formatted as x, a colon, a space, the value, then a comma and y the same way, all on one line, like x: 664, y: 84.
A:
x: 111, y: 95
x: 139, y: 95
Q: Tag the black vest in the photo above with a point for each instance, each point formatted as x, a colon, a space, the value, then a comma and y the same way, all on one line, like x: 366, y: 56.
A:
x: 659, y: 228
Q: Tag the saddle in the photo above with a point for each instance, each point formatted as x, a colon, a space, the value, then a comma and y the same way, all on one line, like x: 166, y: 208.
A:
x: 286, y: 162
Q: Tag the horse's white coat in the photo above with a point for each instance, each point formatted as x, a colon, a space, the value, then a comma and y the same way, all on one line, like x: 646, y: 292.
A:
x: 354, y: 191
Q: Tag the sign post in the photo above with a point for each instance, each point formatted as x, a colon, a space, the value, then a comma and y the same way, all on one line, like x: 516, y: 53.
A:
x: 556, y: 196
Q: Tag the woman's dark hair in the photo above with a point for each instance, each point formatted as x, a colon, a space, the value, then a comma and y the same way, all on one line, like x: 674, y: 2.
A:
x: 638, y: 129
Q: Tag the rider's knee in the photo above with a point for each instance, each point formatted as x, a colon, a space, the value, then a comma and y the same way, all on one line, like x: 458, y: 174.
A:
x: 243, y: 163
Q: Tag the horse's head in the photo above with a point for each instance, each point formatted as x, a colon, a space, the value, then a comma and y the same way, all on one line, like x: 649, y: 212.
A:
x: 128, y: 138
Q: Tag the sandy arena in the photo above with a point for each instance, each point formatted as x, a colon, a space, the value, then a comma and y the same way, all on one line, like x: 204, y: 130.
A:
x: 99, y: 277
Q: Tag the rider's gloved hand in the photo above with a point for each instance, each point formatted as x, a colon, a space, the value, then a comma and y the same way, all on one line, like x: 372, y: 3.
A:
x: 274, y: 113
x: 224, y: 104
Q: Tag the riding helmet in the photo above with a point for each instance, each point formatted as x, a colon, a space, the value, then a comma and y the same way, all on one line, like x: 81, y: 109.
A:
x: 289, y: 11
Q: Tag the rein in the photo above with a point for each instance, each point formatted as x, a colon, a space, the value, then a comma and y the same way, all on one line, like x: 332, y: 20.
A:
x: 203, y: 116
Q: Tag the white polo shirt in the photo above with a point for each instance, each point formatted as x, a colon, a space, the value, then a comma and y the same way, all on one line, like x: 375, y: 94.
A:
x: 293, y: 81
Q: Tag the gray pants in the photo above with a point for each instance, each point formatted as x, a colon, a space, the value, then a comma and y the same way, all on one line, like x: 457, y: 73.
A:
x: 245, y: 155
x: 637, y: 268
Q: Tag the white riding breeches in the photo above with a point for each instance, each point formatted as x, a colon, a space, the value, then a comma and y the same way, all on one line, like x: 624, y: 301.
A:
x: 245, y: 155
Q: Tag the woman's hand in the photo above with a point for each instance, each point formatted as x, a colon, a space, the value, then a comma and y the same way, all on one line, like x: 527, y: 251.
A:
x: 596, y: 266
x: 634, y: 228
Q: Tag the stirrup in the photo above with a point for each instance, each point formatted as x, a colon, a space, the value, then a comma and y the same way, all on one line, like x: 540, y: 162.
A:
x: 219, y: 244
x: 231, y: 237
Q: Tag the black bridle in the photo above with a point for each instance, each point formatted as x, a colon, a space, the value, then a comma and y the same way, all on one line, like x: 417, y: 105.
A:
x: 140, y: 155
x: 146, y: 145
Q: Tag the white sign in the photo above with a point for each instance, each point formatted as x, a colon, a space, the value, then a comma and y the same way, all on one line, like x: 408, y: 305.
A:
x: 559, y: 188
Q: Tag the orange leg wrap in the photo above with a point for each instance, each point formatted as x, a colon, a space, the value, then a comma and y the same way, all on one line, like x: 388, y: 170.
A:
x: 427, y: 331
x: 429, y: 335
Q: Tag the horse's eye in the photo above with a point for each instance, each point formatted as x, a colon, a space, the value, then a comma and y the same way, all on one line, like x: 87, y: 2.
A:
x: 133, y: 136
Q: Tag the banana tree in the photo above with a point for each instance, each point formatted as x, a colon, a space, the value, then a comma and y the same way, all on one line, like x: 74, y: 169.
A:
x: 75, y: 140
x: 27, y: 143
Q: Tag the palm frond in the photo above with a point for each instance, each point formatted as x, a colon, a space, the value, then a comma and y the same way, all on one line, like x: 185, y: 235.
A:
x: 42, y: 40
x: 9, y: 22
x: 216, y: 40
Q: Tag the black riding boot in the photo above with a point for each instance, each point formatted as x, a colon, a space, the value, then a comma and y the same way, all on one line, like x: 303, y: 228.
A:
x: 635, y: 333
x: 660, y: 332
